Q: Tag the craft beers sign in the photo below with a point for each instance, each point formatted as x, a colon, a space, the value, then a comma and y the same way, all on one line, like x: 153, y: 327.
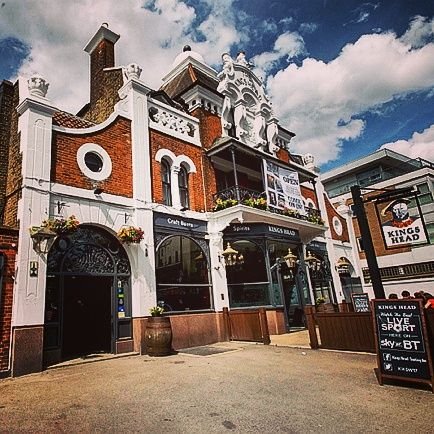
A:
x: 401, y: 221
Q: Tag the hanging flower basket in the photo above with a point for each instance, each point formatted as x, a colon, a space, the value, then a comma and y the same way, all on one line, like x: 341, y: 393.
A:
x: 130, y: 234
x: 59, y: 226
x: 223, y: 204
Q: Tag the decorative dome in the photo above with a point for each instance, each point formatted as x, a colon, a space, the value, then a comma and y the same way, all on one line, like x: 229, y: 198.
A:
x: 187, y: 52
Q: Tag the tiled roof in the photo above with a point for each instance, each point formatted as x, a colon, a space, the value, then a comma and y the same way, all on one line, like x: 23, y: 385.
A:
x: 186, y: 79
x: 68, y: 120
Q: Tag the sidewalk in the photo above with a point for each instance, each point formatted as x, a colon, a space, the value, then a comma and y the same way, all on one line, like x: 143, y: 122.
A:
x: 232, y: 386
x: 297, y: 339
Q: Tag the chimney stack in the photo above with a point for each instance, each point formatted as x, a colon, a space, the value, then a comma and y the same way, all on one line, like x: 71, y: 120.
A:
x: 101, y: 49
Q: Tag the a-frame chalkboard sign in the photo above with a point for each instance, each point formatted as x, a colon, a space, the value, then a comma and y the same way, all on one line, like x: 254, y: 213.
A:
x: 401, y: 339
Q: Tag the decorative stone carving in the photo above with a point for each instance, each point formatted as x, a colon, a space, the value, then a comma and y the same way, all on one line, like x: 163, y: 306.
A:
x: 226, y: 116
x: 227, y: 74
x: 309, y: 160
x: 259, y: 130
x: 241, y: 60
x: 37, y: 86
x: 272, y: 133
x: 132, y: 71
x: 171, y: 121
x: 240, y: 121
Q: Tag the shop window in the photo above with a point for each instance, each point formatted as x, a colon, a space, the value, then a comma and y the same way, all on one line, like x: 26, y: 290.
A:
x: 247, y: 279
x: 182, y: 275
x: 183, y: 187
x: 165, y: 179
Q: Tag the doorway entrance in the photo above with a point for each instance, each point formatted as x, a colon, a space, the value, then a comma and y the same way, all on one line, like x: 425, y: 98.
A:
x: 87, y: 295
x: 87, y: 315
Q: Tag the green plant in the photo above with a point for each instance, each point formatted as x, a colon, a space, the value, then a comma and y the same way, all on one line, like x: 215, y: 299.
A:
x: 259, y: 203
x: 130, y: 234
x: 315, y: 219
x: 291, y: 213
x: 320, y: 300
x: 224, y: 203
x: 156, y: 311
x: 61, y: 225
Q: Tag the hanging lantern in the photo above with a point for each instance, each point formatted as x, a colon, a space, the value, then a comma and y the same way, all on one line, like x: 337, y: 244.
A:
x: 290, y: 259
x: 232, y: 257
x: 312, y: 262
x: 343, y: 265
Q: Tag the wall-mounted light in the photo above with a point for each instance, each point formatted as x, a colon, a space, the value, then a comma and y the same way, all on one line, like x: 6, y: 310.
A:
x: 290, y: 260
x: 231, y: 256
x: 312, y: 262
x: 343, y: 265
x: 43, y: 239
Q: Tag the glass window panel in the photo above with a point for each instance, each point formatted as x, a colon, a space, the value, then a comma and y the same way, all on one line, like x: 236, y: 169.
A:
x: 252, y: 268
x: 52, y: 300
x: 245, y: 295
x: 165, y: 179
x: 182, y: 275
x: 183, y: 187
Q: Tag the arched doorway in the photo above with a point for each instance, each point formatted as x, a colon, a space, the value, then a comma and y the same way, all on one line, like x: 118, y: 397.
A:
x: 88, y: 295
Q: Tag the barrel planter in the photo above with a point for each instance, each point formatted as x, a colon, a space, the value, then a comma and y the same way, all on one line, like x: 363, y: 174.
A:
x: 158, y: 336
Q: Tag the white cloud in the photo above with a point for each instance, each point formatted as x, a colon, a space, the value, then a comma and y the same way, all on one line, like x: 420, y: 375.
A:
x: 288, y: 45
x: 151, y: 36
x: 420, y: 32
x: 322, y: 102
x: 419, y: 145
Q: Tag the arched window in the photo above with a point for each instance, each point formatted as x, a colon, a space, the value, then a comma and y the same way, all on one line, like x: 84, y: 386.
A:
x: 165, y: 179
x: 182, y: 275
x: 183, y: 187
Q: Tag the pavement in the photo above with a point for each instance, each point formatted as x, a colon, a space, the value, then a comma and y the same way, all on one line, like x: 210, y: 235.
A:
x: 231, y: 386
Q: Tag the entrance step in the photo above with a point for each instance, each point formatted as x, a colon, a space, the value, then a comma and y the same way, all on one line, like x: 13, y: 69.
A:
x: 90, y: 358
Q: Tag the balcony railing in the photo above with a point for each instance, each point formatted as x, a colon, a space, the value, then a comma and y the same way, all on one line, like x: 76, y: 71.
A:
x: 245, y: 196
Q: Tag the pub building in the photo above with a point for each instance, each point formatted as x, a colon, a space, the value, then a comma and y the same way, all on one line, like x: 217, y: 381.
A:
x: 187, y: 197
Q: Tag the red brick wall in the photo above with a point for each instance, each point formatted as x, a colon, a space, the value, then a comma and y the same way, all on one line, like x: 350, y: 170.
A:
x: 116, y: 141
x: 162, y: 141
x: 8, y: 247
x: 14, y: 179
x: 210, y: 126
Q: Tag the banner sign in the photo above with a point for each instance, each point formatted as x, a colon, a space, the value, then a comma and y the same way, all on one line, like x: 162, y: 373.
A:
x: 401, y: 339
x: 283, y: 188
x: 401, y: 221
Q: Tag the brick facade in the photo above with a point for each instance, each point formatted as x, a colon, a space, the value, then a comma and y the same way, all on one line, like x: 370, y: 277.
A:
x: 195, y: 185
x: 114, y: 139
x: 8, y: 248
x: 14, y: 163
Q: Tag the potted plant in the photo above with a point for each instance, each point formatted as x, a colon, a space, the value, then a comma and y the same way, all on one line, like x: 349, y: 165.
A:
x: 320, y: 304
x: 130, y: 234
x: 291, y: 213
x: 158, y: 333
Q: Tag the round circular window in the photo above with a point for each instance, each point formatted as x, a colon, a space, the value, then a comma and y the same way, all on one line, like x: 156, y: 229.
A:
x: 337, y: 225
x: 94, y: 161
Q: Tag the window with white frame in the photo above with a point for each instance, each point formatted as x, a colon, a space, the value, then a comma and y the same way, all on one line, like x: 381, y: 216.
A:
x: 166, y: 184
x: 183, y: 187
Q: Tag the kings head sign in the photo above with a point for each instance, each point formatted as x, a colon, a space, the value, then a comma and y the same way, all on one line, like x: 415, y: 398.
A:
x: 401, y: 223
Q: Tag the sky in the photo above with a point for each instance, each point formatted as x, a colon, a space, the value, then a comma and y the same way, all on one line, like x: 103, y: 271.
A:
x: 347, y: 77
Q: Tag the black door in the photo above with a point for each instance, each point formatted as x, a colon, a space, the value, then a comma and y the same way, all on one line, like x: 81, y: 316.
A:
x: 87, y: 311
x: 292, y: 298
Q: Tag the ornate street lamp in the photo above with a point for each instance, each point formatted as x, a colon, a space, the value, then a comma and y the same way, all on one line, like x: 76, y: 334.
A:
x: 291, y: 260
x: 43, y: 239
x: 343, y: 265
x: 232, y: 257
x: 313, y: 263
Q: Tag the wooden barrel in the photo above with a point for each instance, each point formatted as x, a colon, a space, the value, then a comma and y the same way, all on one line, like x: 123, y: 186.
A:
x: 158, y: 336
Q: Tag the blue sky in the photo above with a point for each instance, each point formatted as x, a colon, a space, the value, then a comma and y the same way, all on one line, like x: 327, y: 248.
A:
x: 346, y: 76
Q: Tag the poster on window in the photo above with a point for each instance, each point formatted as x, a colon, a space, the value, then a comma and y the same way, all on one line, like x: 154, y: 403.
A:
x: 401, y: 221
x: 283, y: 188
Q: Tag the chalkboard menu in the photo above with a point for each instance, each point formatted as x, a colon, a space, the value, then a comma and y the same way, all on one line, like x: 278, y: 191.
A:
x: 402, y: 345
x: 361, y: 302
